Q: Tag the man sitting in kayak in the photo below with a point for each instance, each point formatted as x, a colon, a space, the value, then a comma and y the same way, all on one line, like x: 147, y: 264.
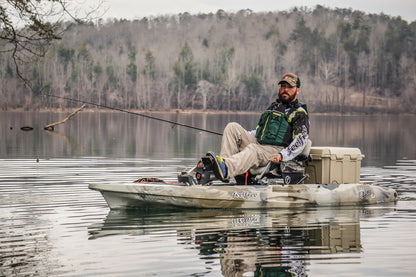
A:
x: 281, y: 135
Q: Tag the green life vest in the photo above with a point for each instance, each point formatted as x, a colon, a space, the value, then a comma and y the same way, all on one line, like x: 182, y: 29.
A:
x: 272, y: 128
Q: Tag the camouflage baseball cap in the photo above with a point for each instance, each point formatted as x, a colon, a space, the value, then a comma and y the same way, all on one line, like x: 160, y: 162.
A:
x: 291, y: 79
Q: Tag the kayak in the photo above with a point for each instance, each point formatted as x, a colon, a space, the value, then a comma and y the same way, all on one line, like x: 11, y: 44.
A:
x: 330, y: 176
x: 220, y: 196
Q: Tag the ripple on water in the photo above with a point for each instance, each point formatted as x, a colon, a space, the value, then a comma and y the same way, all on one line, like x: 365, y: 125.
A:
x: 401, y: 177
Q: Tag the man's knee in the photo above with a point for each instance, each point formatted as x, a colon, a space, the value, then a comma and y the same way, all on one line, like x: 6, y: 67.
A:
x: 232, y: 128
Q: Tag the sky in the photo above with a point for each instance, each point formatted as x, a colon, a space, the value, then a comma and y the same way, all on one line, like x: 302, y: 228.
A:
x: 133, y: 9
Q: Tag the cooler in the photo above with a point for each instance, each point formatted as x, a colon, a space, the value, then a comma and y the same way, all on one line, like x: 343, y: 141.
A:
x: 334, y: 165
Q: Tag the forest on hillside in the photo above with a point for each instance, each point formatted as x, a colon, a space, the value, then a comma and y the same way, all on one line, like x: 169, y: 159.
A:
x: 347, y: 61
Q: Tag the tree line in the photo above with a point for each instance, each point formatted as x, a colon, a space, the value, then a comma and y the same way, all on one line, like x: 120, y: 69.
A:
x: 347, y: 61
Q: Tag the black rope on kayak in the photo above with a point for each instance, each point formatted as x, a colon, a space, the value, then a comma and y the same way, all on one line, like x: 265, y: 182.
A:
x: 134, y: 113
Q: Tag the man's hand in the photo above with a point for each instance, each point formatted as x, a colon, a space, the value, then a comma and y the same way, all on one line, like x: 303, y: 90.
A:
x: 275, y: 158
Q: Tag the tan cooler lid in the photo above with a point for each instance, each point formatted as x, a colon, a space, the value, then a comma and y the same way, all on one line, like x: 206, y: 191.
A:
x: 335, y: 153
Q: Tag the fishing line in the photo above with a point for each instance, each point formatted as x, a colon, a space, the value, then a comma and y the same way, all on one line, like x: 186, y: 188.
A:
x: 134, y: 113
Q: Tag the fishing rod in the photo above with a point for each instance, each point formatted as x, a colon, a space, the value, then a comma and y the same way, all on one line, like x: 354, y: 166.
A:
x: 134, y: 113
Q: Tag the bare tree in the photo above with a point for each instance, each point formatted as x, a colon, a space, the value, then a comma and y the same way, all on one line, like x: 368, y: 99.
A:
x: 28, y: 27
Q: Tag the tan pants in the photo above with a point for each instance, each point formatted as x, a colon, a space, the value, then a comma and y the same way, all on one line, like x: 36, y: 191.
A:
x: 241, y: 151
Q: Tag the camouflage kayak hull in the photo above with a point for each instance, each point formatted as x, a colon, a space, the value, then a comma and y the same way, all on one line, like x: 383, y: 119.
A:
x: 154, y: 194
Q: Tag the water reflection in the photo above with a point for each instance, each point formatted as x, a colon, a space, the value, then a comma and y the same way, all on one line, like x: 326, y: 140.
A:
x: 383, y: 139
x: 268, y: 243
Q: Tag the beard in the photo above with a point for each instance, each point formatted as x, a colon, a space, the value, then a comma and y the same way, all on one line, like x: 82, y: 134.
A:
x: 286, y: 98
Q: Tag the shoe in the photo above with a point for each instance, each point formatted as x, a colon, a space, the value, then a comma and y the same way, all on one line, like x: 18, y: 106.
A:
x: 220, y: 169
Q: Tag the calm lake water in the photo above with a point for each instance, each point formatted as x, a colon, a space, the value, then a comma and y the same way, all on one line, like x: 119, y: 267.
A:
x: 51, y: 224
